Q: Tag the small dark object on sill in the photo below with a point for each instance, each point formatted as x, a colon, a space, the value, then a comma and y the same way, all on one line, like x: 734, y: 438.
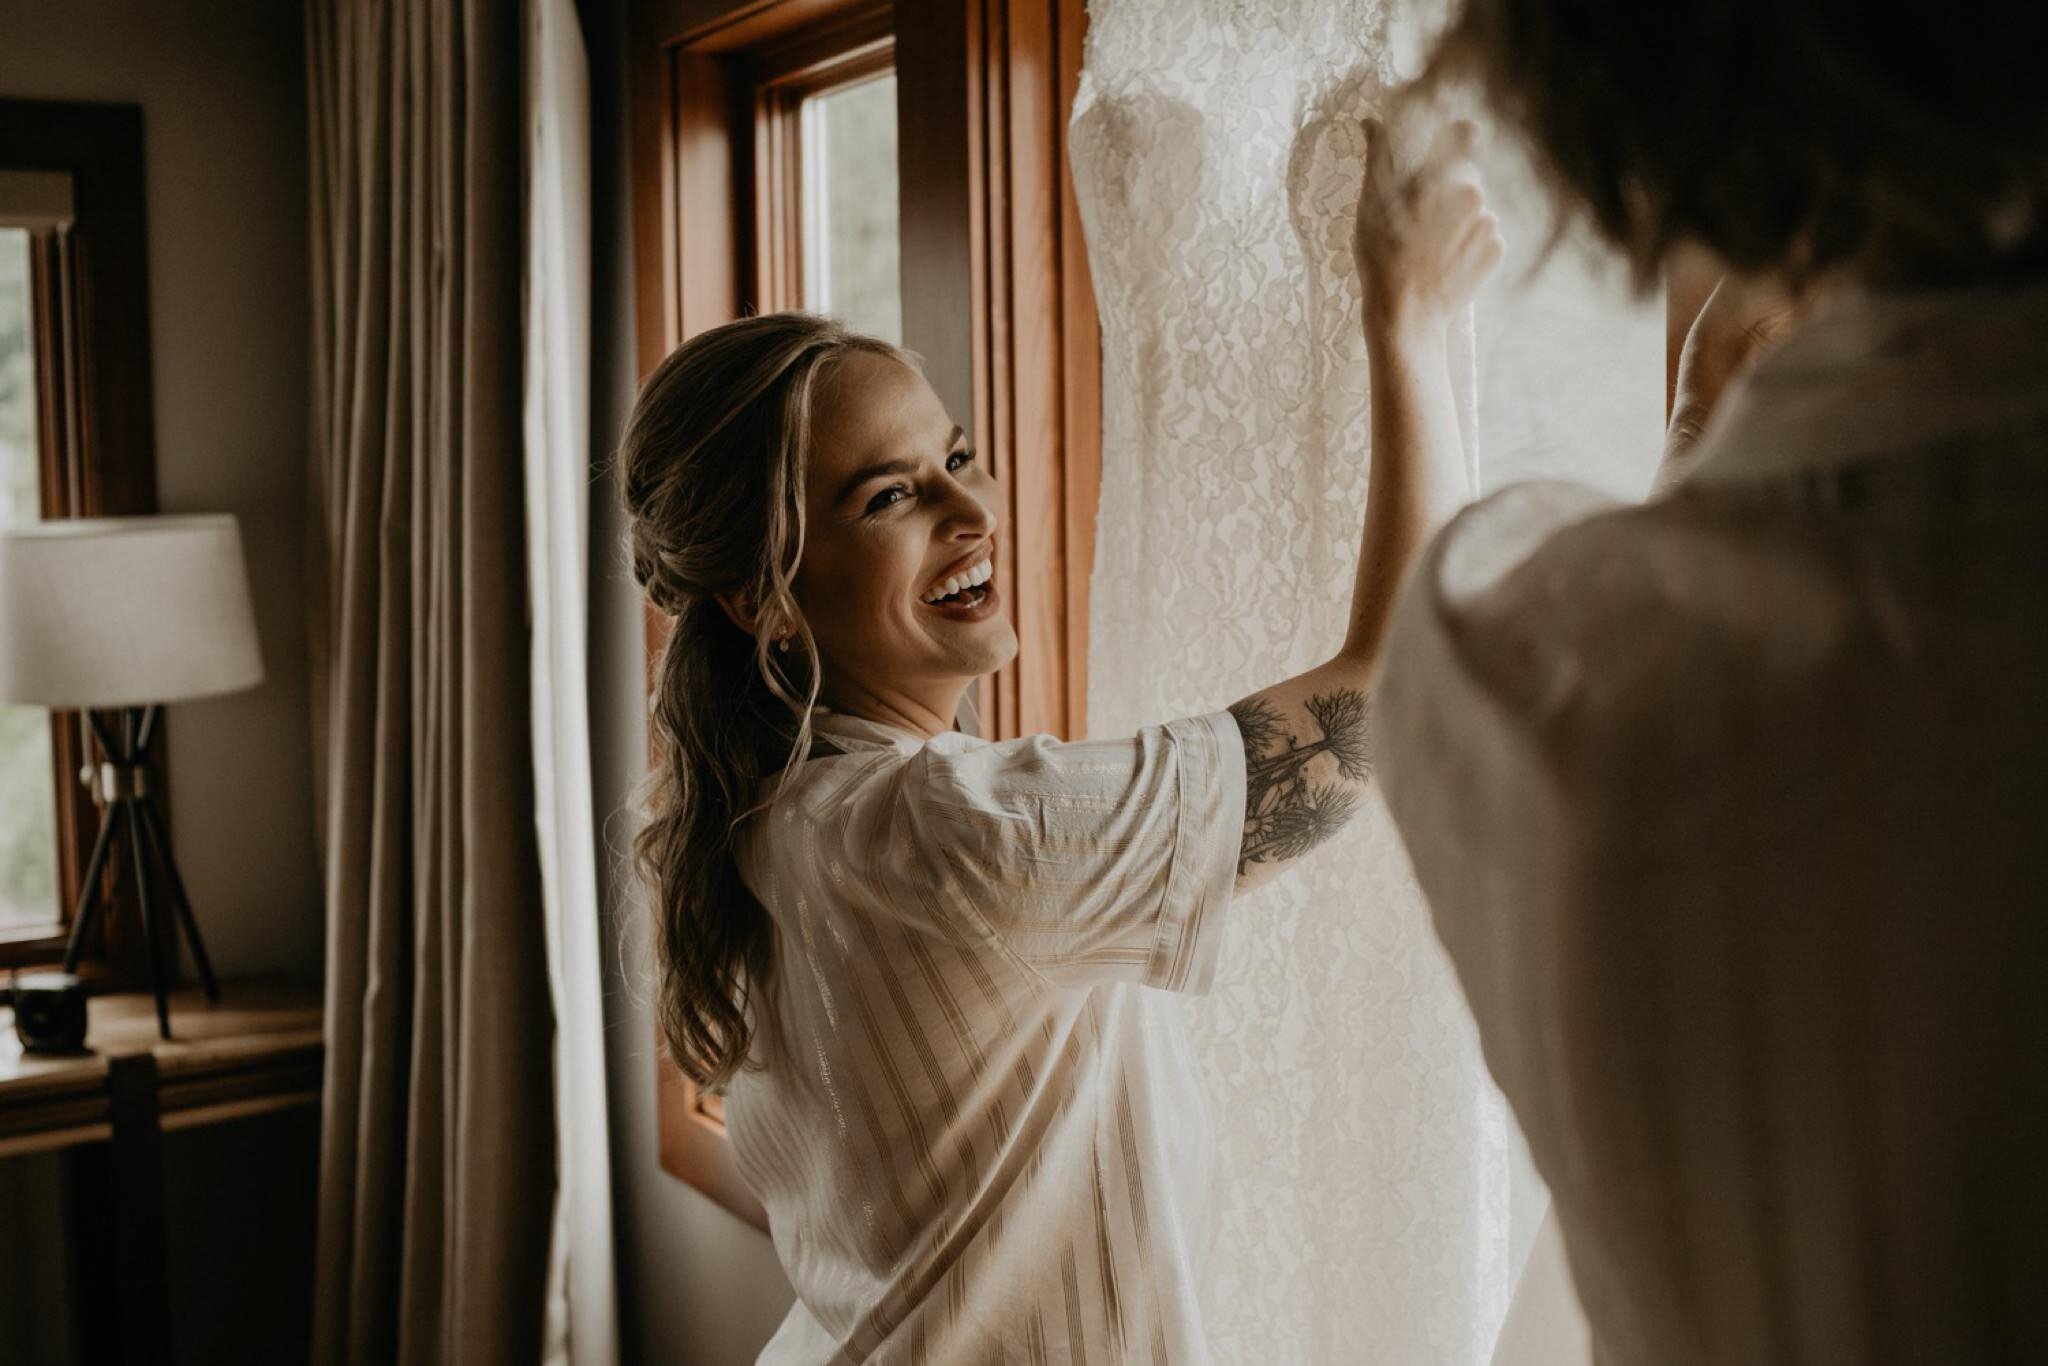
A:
x: 49, y: 1011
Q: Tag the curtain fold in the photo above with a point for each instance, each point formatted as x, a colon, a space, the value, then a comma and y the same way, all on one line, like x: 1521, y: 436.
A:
x: 437, y: 1169
x: 1367, y: 1210
x: 582, y: 1318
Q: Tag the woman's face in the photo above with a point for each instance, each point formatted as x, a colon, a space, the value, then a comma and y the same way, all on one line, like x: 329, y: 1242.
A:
x: 897, y: 579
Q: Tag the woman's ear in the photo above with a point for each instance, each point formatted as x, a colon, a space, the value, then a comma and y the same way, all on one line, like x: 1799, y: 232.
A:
x: 739, y: 610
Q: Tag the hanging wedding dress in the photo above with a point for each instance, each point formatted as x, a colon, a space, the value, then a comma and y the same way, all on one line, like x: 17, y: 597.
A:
x: 1364, y: 1211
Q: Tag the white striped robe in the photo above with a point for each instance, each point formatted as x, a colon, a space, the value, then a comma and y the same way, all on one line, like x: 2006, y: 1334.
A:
x: 979, y: 1137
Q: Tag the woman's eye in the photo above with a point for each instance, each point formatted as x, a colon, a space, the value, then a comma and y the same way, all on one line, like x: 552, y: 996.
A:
x: 959, y: 460
x: 888, y: 497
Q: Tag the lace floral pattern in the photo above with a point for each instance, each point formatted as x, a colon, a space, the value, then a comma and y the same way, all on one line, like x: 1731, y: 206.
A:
x: 1363, y: 1205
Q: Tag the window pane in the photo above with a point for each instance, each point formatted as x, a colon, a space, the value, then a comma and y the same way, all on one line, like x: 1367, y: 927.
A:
x: 851, y: 261
x: 28, y: 816
x: 20, y: 500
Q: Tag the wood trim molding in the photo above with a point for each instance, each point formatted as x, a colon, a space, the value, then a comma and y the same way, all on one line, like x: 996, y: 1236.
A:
x: 858, y: 42
x: 711, y: 111
x: 1036, y: 353
x: 713, y: 27
x: 1081, y: 359
x: 782, y: 77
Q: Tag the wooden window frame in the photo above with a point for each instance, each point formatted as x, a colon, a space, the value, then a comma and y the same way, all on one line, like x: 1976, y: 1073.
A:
x: 1037, y: 353
x: 781, y: 78
x: 996, y: 297
x: 96, y: 440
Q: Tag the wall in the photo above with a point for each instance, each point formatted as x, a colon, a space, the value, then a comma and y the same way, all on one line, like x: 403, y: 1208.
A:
x: 221, y: 87
x: 697, y: 1287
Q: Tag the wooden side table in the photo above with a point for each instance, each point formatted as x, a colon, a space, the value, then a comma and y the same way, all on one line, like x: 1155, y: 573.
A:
x: 107, y: 1109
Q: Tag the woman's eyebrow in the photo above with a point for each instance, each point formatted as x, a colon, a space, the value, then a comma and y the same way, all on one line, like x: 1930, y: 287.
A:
x: 900, y: 465
x: 861, y: 476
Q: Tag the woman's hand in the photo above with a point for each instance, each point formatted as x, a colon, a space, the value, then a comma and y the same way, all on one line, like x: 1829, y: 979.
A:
x: 1423, y: 238
x: 1742, y: 320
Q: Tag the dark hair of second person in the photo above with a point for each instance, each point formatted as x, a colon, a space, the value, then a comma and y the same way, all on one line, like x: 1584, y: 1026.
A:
x: 1798, y: 138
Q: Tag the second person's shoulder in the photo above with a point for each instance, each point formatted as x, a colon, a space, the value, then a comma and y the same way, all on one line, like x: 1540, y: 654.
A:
x: 1573, y: 612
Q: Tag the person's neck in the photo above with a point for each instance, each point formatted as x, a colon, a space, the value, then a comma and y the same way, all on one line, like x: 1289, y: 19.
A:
x: 924, y: 711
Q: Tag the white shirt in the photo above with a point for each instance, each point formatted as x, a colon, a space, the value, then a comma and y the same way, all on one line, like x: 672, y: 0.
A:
x: 978, y: 1138
x: 1732, y: 810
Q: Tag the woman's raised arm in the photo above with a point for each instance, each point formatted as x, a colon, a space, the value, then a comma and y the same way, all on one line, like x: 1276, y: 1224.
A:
x: 1423, y: 241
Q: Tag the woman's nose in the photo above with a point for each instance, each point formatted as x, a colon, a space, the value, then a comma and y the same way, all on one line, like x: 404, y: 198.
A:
x: 968, y: 517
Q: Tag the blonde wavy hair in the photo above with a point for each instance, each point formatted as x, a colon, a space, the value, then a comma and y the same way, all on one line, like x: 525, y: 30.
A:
x: 713, y: 466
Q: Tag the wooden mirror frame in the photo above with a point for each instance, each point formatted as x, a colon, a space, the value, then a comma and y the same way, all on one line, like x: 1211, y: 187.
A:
x: 95, y: 430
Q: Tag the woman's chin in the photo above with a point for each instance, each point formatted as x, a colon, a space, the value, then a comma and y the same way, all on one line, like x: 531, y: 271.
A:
x: 1005, y: 650
x: 992, y: 646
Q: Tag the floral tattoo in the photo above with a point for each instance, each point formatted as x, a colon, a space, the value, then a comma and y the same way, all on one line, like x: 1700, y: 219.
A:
x: 1285, y: 814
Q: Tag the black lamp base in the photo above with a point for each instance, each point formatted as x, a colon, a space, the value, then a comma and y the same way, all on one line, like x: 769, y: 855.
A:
x: 122, y: 784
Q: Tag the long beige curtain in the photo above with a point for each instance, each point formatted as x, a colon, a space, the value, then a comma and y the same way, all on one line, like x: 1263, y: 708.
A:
x: 438, y: 1150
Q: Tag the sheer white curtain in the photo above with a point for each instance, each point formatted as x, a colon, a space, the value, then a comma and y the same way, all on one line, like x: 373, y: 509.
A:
x: 1365, y: 1212
x: 581, y: 1322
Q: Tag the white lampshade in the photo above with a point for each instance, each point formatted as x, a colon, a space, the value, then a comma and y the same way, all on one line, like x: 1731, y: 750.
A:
x: 125, y: 612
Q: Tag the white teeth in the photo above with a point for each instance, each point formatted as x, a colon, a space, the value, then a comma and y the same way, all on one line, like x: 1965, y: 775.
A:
x: 974, y: 577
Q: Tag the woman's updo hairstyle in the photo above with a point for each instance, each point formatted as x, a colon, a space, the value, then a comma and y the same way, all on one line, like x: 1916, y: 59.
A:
x: 713, y: 466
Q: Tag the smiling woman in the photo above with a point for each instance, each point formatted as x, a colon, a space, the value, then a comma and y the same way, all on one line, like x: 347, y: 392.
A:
x: 898, y: 521
x: 916, y: 960
x: 882, y: 935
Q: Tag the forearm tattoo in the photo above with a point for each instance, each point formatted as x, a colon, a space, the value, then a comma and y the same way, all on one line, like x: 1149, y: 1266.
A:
x: 1286, y: 815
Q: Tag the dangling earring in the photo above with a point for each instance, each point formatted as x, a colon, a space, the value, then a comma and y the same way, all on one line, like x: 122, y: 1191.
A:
x: 783, y: 644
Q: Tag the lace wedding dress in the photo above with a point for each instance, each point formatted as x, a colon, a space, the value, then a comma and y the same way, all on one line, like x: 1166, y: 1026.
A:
x: 1364, y: 1210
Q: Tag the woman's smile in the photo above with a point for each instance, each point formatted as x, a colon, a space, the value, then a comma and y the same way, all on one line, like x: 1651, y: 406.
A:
x: 966, y: 591
x: 897, y: 581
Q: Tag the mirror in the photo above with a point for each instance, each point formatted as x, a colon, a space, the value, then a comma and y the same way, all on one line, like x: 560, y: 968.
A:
x: 76, y: 440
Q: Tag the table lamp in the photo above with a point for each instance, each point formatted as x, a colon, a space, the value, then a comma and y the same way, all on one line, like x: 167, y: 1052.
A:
x: 124, y: 614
